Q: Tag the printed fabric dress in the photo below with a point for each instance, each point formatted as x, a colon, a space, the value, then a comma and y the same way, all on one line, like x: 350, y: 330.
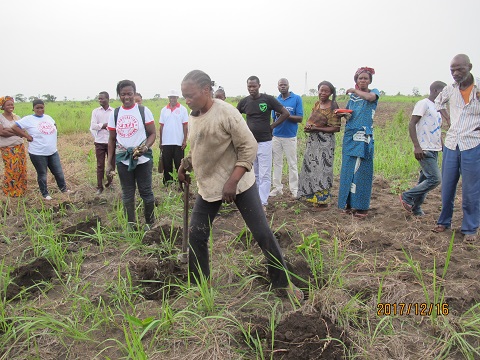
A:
x: 356, y: 177
x: 316, y: 176
x: 14, y: 156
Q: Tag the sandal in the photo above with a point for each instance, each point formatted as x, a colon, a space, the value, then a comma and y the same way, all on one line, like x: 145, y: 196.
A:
x: 470, y: 238
x: 346, y: 211
x: 439, y: 228
x: 320, y: 207
x: 360, y: 215
x: 405, y: 205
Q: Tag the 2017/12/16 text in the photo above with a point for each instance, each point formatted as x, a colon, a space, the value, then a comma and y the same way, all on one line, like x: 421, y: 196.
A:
x: 422, y: 309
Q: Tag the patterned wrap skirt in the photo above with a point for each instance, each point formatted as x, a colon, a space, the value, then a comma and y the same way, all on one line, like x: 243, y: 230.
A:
x: 15, y: 174
x: 316, y: 176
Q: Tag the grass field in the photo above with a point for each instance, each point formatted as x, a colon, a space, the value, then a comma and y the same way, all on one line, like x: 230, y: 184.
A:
x: 74, y: 284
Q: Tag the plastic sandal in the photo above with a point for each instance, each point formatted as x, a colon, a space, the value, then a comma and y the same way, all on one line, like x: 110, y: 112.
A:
x: 470, y: 238
x: 405, y: 205
x: 439, y: 228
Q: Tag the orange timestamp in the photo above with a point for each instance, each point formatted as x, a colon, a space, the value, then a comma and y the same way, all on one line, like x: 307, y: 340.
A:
x: 422, y: 309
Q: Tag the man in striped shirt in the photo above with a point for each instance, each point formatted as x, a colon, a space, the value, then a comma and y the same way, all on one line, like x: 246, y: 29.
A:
x: 461, y: 152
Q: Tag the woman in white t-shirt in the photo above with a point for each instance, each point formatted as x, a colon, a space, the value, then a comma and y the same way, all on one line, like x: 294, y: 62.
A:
x: 132, y: 134
x: 42, y: 148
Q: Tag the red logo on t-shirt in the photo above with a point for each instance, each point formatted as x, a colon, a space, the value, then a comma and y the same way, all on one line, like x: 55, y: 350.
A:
x: 127, y: 126
x: 46, y: 128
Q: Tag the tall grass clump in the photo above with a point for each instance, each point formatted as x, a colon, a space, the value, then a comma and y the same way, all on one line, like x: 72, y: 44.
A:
x: 394, y: 157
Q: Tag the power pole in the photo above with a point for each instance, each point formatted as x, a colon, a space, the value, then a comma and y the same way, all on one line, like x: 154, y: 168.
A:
x: 305, y: 89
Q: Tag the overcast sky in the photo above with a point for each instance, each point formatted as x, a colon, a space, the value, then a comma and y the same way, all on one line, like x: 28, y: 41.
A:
x: 75, y: 49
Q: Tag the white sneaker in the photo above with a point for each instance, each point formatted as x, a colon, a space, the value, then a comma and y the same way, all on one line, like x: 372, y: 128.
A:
x: 275, y: 192
x: 48, y: 197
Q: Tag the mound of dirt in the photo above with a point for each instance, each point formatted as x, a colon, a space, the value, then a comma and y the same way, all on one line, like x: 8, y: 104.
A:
x: 29, y: 277
x: 83, y: 227
x: 306, y: 336
x: 154, y: 274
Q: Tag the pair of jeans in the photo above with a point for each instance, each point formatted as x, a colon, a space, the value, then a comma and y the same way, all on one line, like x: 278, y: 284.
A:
x: 287, y: 146
x: 467, y: 164
x: 262, y: 166
x: 171, y: 154
x: 249, y: 205
x: 141, y: 176
x: 429, y: 179
x: 101, y: 152
x: 52, y: 162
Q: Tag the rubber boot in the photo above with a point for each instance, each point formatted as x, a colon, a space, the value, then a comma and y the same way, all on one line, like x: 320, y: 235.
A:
x: 149, y: 215
x: 129, y: 209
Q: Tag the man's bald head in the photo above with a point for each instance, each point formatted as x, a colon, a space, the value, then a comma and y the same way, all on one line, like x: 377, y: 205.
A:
x: 462, y: 58
x: 460, y: 69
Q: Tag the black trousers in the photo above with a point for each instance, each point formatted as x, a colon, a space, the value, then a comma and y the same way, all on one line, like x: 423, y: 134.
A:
x: 251, y: 208
x: 171, y: 155
x: 101, y: 153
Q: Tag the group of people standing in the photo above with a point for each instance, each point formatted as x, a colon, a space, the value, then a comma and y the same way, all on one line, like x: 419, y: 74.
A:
x: 279, y: 138
x: 40, y: 131
x: 222, y: 152
x: 461, y: 148
x: 125, y: 136
x: 224, y: 149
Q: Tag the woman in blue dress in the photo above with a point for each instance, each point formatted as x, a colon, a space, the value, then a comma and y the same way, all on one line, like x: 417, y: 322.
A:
x: 356, y: 176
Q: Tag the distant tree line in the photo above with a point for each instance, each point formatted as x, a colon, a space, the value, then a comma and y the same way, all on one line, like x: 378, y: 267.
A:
x: 46, y: 98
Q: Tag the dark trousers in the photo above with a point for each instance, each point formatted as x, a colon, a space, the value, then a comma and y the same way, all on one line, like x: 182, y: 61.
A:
x: 101, y: 153
x: 171, y: 154
x: 251, y: 208
x: 52, y: 162
x: 141, y: 176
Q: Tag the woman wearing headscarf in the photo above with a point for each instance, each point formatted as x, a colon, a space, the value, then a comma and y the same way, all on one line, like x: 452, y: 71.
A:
x: 316, y: 176
x: 13, y: 151
x: 356, y: 177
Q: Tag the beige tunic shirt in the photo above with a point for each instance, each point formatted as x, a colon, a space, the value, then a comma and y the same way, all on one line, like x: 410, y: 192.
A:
x: 219, y: 140
x: 10, y: 140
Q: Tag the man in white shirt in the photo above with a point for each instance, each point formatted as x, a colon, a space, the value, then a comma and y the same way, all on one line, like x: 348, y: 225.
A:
x: 98, y: 128
x: 173, y: 135
x: 425, y: 130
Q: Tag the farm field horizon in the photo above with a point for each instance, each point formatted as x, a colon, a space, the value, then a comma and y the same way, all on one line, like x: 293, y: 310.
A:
x: 75, y: 284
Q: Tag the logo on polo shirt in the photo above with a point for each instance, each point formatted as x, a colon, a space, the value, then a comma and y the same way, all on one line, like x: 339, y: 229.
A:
x: 263, y: 107
x: 127, y: 126
x: 46, y: 128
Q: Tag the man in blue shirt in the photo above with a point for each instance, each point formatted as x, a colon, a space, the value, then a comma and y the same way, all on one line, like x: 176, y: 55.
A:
x: 285, y: 139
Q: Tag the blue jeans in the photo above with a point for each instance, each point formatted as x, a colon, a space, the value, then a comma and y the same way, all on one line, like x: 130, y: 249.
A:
x: 429, y: 179
x: 52, y: 162
x: 467, y: 164
x: 250, y: 207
